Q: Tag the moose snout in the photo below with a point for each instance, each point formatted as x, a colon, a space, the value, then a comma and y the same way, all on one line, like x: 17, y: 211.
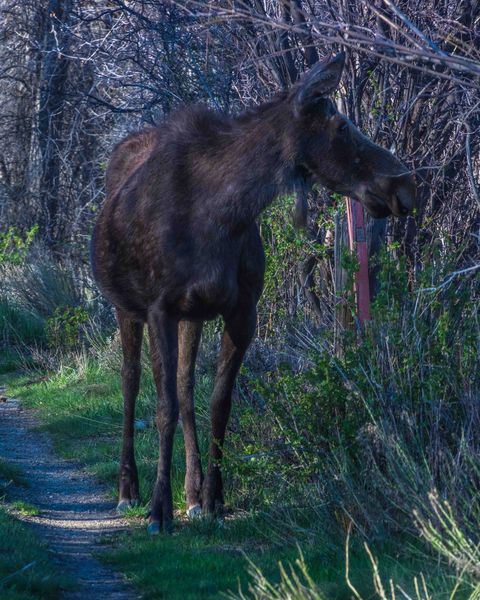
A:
x: 389, y: 195
x: 403, y: 195
x: 398, y: 193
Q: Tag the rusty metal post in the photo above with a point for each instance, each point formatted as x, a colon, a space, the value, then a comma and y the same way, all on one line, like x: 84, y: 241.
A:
x: 357, y: 237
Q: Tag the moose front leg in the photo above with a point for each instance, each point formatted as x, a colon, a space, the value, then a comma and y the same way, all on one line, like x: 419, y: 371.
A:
x: 162, y: 330
x: 189, y: 334
x: 131, y: 333
x: 237, y: 335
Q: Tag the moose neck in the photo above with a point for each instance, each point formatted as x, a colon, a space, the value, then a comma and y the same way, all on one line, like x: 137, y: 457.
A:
x: 259, y: 162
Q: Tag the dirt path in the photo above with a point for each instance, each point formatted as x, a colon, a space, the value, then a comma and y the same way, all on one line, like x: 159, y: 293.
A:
x: 75, y: 512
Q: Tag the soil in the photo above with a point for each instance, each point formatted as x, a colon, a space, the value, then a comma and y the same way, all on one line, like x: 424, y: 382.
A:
x: 77, y: 516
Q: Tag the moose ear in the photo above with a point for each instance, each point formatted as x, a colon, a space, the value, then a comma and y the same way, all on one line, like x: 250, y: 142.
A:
x: 319, y: 81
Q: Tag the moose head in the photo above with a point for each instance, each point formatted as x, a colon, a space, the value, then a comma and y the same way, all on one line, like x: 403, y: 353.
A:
x: 334, y: 153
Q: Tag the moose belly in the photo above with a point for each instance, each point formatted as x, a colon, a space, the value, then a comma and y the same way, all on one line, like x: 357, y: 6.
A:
x: 208, y: 298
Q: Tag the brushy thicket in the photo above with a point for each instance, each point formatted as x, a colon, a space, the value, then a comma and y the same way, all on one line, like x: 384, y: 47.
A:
x: 380, y: 439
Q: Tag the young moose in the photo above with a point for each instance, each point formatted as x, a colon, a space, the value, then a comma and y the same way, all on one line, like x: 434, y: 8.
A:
x: 177, y: 243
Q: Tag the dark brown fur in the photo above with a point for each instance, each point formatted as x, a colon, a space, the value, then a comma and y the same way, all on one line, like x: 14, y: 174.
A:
x: 177, y: 243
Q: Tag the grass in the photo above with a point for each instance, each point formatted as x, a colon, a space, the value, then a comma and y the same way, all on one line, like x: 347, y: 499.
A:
x: 201, y: 559
x: 8, y: 361
x: 204, y: 560
x: 24, y: 509
x: 82, y: 410
x: 26, y: 571
x: 10, y: 475
x: 296, y: 583
x: 17, y: 324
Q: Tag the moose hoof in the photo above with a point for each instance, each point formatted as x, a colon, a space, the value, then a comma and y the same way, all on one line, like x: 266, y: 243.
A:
x: 153, y: 528
x: 124, y: 505
x: 194, y: 511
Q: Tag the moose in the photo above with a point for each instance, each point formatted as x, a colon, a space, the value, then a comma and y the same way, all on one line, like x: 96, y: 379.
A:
x: 176, y: 243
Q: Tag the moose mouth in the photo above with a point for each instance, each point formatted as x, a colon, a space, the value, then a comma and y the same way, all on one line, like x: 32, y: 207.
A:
x: 380, y: 207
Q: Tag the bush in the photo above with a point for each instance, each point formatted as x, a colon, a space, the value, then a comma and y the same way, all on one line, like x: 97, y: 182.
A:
x: 14, y: 247
x: 64, y: 328
x: 367, y: 437
x: 47, y: 307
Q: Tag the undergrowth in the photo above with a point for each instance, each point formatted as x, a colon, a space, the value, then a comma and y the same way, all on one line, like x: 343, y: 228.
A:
x: 378, y: 442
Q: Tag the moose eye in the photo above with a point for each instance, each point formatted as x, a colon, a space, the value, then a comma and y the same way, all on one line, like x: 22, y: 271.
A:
x: 343, y: 126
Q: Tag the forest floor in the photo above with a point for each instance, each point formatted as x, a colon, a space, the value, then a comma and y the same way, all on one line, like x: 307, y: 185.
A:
x: 65, y: 506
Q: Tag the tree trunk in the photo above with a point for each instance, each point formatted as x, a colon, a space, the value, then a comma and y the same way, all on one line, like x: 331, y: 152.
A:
x: 53, y: 83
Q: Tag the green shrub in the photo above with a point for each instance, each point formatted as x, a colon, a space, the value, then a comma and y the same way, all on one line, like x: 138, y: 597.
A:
x: 285, y: 247
x: 41, y: 285
x: 63, y: 329
x: 14, y: 247
x: 367, y: 436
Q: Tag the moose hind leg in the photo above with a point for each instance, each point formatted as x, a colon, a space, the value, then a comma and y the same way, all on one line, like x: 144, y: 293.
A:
x: 131, y: 333
x: 162, y: 330
x: 189, y: 334
x: 237, y: 335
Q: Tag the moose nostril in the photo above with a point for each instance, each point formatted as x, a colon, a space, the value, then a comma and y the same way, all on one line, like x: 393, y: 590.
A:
x: 404, y: 210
